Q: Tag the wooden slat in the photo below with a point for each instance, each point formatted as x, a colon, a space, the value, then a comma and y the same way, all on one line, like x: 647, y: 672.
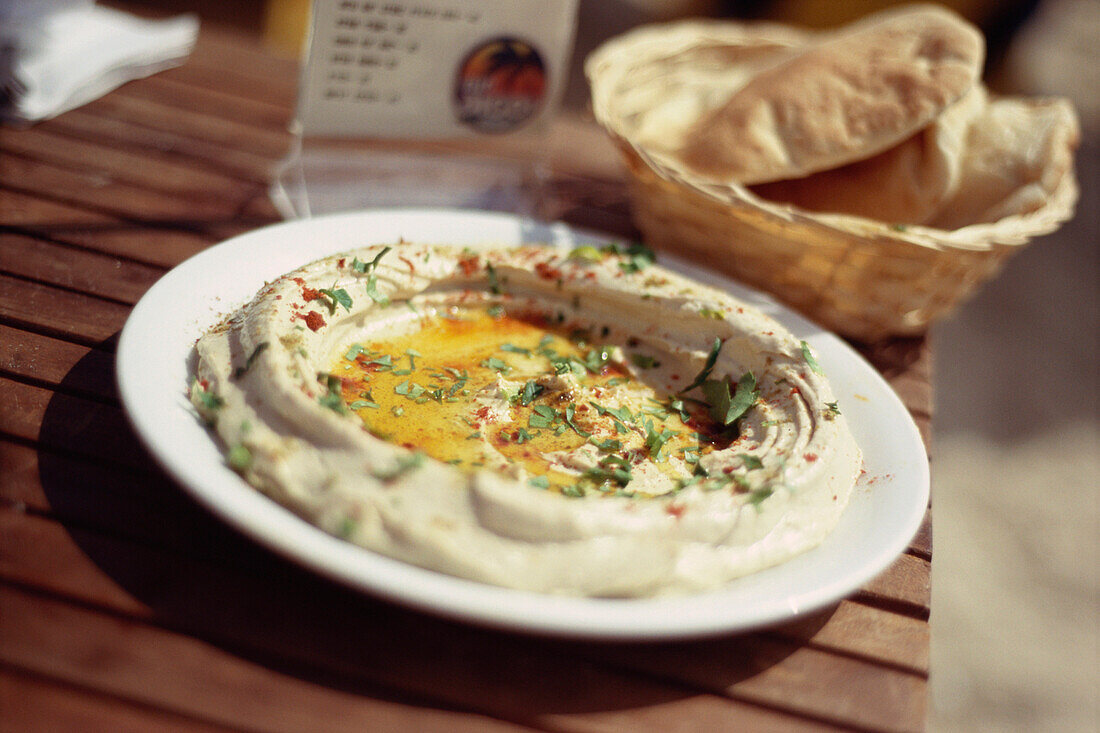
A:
x: 122, y: 504
x: 219, y: 68
x: 173, y: 673
x: 82, y: 427
x: 164, y: 583
x: 866, y: 632
x: 146, y: 509
x: 170, y: 93
x: 248, y: 689
x: 119, y: 181
x: 202, y: 153
x: 86, y: 272
x: 33, y: 703
x: 229, y: 132
x: 906, y: 583
x: 31, y: 209
x: 55, y: 362
x: 161, y: 247
x: 102, y: 193
x: 73, y: 316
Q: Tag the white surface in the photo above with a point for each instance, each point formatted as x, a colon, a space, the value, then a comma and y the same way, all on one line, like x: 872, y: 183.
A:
x: 155, y: 355
x: 73, y: 53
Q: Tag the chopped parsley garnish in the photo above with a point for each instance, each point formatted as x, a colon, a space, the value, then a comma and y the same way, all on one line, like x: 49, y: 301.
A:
x: 539, y: 482
x: 496, y: 364
x: 331, y: 398
x: 726, y: 408
x: 335, y: 296
x: 404, y: 464
x: 368, y: 268
x: 809, y: 357
x: 638, y: 256
x: 643, y: 361
x: 751, y: 462
x: 209, y: 400
x: 834, y: 410
x: 494, y: 281
x: 530, y: 390
x: 708, y: 366
x: 759, y: 495
x: 655, y: 439
x: 610, y: 445
x: 570, y: 409
x: 239, y: 458
x: 239, y: 371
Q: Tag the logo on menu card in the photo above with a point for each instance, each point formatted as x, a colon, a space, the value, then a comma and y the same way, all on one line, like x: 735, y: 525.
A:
x: 500, y: 85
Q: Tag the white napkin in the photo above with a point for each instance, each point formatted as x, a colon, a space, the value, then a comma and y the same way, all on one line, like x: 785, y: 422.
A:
x: 73, y: 53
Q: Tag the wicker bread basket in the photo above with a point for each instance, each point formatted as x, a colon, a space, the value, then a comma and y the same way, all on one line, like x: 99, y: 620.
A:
x: 862, y: 278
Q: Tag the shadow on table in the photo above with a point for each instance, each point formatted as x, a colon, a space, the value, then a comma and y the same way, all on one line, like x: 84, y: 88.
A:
x: 201, y: 578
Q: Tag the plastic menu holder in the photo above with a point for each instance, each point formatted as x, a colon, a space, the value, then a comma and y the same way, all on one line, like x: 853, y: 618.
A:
x: 426, y: 103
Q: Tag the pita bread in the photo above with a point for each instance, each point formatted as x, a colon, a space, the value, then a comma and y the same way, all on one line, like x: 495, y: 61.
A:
x: 653, y: 82
x: 846, y: 98
x: 907, y: 184
x: 1017, y: 154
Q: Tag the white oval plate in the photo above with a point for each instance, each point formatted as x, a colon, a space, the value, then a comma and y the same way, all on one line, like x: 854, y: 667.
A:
x: 155, y: 357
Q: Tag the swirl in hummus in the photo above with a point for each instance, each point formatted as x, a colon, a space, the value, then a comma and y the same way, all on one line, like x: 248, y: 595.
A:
x: 574, y: 421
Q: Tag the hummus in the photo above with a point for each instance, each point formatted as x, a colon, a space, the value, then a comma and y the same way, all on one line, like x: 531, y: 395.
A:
x: 564, y: 421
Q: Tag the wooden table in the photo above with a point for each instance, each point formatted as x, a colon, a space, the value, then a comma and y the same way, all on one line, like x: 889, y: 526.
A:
x: 126, y: 606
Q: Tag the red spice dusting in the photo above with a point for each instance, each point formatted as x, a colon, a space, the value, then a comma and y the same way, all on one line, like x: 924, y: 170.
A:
x: 309, y: 294
x: 811, y: 457
x: 546, y: 272
x: 204, y: 384
x: 589, y: 276
x: 314, y: 320
x: 676, y: 510
x: 407, y: 261
x: 674, y: 377
x: 340, y: 263
x: 469, y: 265
x: 795, y: 390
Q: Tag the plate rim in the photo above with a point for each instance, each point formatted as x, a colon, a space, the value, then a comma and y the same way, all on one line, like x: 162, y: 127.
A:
x: 466, y: 600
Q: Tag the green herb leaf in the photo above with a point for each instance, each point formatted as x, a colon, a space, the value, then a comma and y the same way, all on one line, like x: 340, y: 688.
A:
x: 751, y: 462
x: 724, y: 408
x: 809, y: 357
x: 403, y: 465
x: 570, y: 410
x: 494, y: 282
x: 494, y: 363
x: 539, y: 482
x: 337, y: 295
x: 643, y: 361
x: 530, y: 391
x: 332, y: 398
x: 250, y: 360
x: 209, y: 400
x: 239, y: 458
x: 708, y: 366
